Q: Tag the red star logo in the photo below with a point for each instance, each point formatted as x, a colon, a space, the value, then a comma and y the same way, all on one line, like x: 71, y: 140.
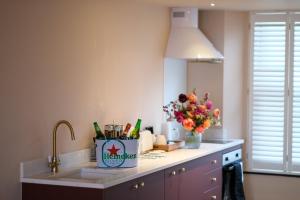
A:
x: 113, y: 150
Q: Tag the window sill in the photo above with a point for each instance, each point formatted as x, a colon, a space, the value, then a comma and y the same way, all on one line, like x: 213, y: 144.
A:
x: 273, y: 174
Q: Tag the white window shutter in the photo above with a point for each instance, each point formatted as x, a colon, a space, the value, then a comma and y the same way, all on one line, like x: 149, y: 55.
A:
x: 268, y: 95
x: 296, y: 98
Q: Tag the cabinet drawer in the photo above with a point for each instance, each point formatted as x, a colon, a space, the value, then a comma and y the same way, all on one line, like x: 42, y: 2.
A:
x: 213, y: 194
x: 212, y: 179
x: 211, y: 162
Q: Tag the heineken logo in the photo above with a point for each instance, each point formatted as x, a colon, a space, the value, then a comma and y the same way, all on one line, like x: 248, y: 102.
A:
x: 114, y: 153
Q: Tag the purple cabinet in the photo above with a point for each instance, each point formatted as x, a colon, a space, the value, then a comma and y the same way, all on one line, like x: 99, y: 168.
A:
x: 153, y: 187
x: 171, y: 184
x: 148, y: 187
x: 32, y: 191
x: 124, y: 191
x: 190, y: 181
x: 145, y: 188
x: 195, y: 180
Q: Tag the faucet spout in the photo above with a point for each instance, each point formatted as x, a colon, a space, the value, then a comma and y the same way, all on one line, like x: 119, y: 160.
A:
x: 54, y: 159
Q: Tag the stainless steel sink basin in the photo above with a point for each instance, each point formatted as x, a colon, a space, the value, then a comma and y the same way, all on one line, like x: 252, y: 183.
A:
x: 217, y: 141
x: 84, y: 174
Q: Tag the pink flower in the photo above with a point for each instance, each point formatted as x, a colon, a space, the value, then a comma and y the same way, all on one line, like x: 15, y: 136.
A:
x: 179, y: 116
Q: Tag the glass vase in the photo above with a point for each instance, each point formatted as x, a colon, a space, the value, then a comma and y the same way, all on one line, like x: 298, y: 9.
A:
x: 193, y: 140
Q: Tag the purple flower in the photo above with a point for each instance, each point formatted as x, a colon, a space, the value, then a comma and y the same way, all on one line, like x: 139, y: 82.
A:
x: 209, y: 105
x: 182, y: 98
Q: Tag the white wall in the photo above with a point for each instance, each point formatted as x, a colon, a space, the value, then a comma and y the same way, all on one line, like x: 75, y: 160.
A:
x: 76, y: 60
x: 175, y: 79
x: 175, y: 83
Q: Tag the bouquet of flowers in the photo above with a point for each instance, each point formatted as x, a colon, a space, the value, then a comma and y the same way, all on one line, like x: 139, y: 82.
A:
x: 195, y: 116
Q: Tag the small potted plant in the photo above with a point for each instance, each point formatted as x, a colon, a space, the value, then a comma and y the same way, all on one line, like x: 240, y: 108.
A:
x: 195, y: 115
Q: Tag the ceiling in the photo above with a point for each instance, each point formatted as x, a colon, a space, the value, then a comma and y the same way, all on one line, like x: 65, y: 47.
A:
x: 232, y: 4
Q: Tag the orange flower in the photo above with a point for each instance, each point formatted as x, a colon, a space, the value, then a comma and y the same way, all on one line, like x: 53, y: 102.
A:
x: 188, y: 124
x: 199, y: 129
x: 202, y: 108
x: 206, y: 124
x: 192, y: 98
x: 216, y: 113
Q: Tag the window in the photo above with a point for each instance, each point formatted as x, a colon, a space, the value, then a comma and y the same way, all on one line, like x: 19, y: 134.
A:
x: 274, y: 127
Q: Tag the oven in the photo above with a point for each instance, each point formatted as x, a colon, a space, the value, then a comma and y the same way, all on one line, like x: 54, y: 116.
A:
x: 232, y: 188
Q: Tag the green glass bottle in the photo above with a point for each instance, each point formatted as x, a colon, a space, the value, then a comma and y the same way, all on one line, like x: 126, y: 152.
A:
x: 99, y: 133
x: 135, y: 133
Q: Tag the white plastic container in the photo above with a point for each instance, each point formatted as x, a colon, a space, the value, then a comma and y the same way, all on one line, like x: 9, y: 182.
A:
x: 116, y: 153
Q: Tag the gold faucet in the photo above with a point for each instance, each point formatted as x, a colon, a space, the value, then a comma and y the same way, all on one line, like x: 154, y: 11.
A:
x: 54, y: 159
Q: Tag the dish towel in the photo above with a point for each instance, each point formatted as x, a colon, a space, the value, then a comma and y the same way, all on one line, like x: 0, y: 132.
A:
x: 233, y: 182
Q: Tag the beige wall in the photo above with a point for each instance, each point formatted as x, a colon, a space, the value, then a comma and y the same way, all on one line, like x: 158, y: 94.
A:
x: 262, y: 187
x: 206, y: 77
x: 76, y: 60
x: 227, y: 30
x: 234, y: 68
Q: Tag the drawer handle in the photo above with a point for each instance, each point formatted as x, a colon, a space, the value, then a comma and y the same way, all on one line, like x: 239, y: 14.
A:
x: 173, y: 173
x: 182, y: 170
x: 135, y: 186
x: 213, y: 162
x: 142, y: 184
x: 213, y: 197
x: 214, y: 179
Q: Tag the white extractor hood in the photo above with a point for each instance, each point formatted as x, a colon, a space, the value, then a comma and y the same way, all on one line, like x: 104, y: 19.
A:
x: 186, y: 41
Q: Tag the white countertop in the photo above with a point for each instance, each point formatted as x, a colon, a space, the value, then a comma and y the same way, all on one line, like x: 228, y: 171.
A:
x: 86, y: 174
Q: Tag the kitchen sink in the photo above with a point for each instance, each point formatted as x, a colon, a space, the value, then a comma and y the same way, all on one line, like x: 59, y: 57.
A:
x: 88, y: 173
x: 217, y: 141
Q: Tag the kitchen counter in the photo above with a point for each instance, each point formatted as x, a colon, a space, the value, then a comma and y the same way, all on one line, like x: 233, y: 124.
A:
x: 76, y: 171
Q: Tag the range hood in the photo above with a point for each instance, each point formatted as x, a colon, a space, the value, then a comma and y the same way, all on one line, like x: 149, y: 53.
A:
x: 186, y: 41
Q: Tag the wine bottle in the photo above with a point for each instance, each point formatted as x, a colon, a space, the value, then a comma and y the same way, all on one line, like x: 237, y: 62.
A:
x: 99, y: 133
x: 125, y: 132
x: 135, y: 133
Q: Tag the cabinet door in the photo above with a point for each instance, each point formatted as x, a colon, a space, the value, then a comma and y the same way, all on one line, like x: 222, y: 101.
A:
x: 124, y: 191
x: 212, y: 179
x: 213, y: 194
x: 151, y: 187
x: 171, y: 184
x: 211, y: 162
x: 190, y: 178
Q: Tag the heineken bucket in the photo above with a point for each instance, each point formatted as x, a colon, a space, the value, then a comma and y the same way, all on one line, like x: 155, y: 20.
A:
x: 116, y: 153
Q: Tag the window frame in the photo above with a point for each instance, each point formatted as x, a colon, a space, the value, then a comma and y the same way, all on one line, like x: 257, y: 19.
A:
x: 289, y: 18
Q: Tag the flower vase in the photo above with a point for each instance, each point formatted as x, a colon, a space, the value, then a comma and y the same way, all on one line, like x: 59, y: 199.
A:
x: 193, y: 140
